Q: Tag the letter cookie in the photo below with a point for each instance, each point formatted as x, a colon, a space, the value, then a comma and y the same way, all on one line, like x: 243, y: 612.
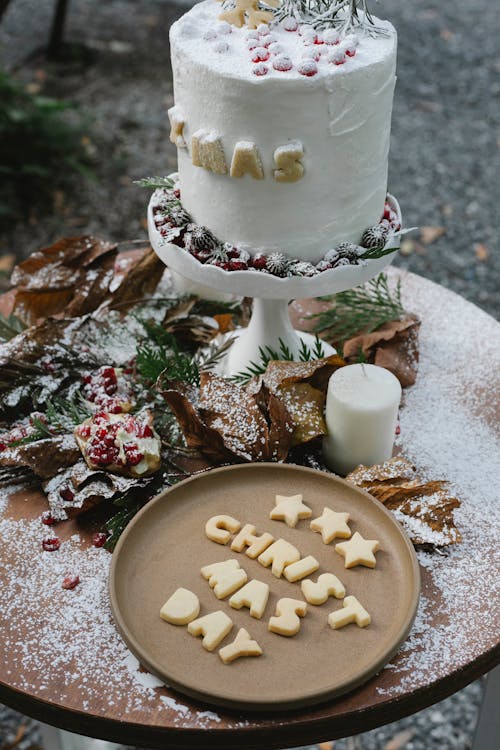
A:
x: 358, y: 551
x: 287, y: 620
x: 246, y: 160
x: 177, y: 122
x: 242, y: 645
x: 290, y: 509
x: 331, y: 525
x: 220, y: 528
x: 247, y: 538
x: 287, y: 159
x: 253, y: 595
x: 326, y: 585
x: 182, y: 607
x: 207, y: 152
x: 224, y: 577
x: 301, y: 569
x: 352, y: 611
x: 280, y: 554
x: 213, y: 627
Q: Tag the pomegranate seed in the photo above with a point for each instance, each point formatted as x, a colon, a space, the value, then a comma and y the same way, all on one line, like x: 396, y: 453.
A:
x: 87, y: 378
x: 3, y: 446
x: 51, y: 544
x: 67, y: 494
x: 145, y: 431
x: 115, y: 407
x: 70, y: 582
x: 47, y: 519
x: 237, y: 265
x: 282, y: 64
x: 83, y: 430
x: 133, y: 454
x: 99, y: 539
x: 398, y: 430
x: 260, y: 54
x: 308, y: 68
x: 177, y: 193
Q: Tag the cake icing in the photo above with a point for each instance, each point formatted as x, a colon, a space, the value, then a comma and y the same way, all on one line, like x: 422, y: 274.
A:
x: 282, y: 136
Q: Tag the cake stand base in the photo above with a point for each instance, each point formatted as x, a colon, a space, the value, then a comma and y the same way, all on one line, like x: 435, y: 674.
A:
x: 269, y: 327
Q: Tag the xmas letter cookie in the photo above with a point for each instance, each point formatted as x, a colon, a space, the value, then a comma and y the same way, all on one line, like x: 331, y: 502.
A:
x: 246, y: 160
x: 352, y: 612
x: 242, y: 645
x: 220, y: 528
x: 358, y: 551
x: 213, y: 627
x: 287, y: 159
x: 177, y: 122
x: 253, y: 595
x: 247, y: 538
x: 287, y: 620
x: 300, y: 569
x: 207, y: 152
x: 280, y: 554
x: 224, y: 577
x: 290, y: 509
x: 182, y: 607
x: 326, y: 585
x: 331, y: 525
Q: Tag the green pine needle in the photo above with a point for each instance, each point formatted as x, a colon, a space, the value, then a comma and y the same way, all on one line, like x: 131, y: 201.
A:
x: 360, y: 310
x: 155, y: 183
x: 268, y: 354
x: 160, y: 353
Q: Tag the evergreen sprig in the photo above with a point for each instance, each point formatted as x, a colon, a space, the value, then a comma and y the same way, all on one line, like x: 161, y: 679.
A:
x: 160, y: 353
x: 268, y: 354
x: 341, y: 14
x: 155, y: 183
x: 360, y: 310
x: 10, y: 326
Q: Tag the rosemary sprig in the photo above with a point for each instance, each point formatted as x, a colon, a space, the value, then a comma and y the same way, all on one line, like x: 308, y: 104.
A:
x: 268, y: 354
x: 155, y: 183
x: 360, y: 310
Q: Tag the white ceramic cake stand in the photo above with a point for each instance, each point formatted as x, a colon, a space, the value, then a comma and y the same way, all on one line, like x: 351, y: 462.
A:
x: 270, y: 321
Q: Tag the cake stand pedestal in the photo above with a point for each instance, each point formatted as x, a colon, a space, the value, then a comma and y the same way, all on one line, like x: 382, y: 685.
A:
x: 270, y: 324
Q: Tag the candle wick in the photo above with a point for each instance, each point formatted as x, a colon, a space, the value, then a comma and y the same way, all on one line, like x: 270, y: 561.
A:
x: 364, y: 370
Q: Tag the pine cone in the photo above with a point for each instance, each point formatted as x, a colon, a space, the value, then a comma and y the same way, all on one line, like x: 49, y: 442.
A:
x: 178, y: 216
x: 200, y: 238
x: 302, y: 268
x: 375, y: 237
x: 348, y: 251
x: 278, y: 264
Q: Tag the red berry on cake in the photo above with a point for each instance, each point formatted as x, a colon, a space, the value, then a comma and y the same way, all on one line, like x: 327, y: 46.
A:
x: 312, y: 54
x: 253, y: 44
x: 331, y: 37
x: 308, y: 68
x: 260, y: 69
x: 337, y: 56
x: 268, y: 40
x: 263, y: 29
x: 350, y: 44
x: 290, y: 24
x: 260, y: 54
x: 282, y: 63
x: 259, y: 261
x: 237, y: 265
x: 276, y: 49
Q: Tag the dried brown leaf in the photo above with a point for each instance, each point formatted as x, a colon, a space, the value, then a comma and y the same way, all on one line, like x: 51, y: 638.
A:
x: 317, y: 372
x: 481, y: 251
x: 394, y: 346
x: 424, y: 508
x: 45, y: 458
x: 140, y: 280
x: 305, y: 405
x: 400, y: 740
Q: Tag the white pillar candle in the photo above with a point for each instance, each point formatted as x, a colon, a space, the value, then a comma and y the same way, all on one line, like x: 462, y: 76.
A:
x: 361, y: 415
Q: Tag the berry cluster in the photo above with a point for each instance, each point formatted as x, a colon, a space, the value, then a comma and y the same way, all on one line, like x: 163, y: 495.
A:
x: 202, y: 244
x: 127, y: 444
x: 107, y: 390
x: 22, y: 431
x: 265, y: 50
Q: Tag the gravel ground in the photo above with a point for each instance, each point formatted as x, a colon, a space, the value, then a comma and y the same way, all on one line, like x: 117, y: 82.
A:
x: 445, y: 162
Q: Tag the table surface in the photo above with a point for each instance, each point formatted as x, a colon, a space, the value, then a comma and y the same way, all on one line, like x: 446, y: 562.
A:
x: 62, y: 660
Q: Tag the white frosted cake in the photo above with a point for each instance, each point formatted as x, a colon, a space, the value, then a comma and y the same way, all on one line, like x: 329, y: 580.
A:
x: 283, y: 130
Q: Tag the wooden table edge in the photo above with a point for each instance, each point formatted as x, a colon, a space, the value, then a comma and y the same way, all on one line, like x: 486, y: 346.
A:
x: 290, y: 734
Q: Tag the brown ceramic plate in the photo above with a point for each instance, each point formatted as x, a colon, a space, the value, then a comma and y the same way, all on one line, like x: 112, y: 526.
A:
x: 165, y: 546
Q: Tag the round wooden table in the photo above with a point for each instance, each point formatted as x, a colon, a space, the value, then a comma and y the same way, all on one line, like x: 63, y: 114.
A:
x: 63, y: 662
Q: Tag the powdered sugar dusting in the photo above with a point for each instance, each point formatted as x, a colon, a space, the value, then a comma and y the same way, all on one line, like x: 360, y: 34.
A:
x: 62, y: 644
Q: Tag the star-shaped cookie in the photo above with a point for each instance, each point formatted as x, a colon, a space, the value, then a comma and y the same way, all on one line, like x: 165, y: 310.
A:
x: 358, y: 551
x: 331, y: 525
x: 290, y: 509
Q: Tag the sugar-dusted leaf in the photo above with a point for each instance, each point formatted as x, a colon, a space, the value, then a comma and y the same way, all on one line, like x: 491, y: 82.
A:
x: 71, y: 276
x: 424, y: 508
x: 305, y: 405
x: 394, y: 346
x: 44, y: 457
x: 317, y: 372
x: 139, y: 281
